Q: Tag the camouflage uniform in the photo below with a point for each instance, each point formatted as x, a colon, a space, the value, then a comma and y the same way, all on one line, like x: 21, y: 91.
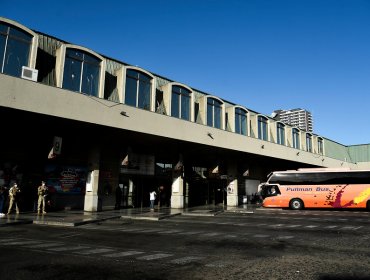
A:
x: 13, y: 193
x: 42, y: 192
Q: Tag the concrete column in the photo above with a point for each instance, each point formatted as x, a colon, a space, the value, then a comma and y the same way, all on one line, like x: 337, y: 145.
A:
x: 177, y: 196
x: 232, y: 187
x: 92, y: 201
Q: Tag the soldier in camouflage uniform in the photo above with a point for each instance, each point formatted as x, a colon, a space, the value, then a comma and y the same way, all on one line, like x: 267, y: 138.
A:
x: 13, y: 198
x: 42, y: 192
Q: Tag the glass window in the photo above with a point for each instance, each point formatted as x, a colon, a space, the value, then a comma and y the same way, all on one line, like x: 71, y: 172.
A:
x: 308, y: 142
x: 280, y: 133
x: 130, y: 93
x: 296, y: 143
x: 320, y: 146
x: 72, y: 74
x: 138, y: 89
x: 214, y: 110
x: 15, y: 46
x: 180, y: 103
x: 262, y: 128
x: 240, y: 121
x: 175, y: 104
x: 81, y: 72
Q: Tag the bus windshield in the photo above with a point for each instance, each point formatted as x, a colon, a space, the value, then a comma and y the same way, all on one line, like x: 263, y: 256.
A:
x: 269, y: 190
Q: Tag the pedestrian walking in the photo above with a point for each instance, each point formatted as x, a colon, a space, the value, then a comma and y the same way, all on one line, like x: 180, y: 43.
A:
x: 42, y: 192
x: 152, y: 196
x: 13, y: 198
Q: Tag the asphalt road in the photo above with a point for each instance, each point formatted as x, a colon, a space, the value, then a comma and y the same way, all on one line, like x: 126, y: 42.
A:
x: 323, y: 245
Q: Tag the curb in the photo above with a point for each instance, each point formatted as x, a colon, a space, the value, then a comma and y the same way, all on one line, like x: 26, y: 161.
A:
x: 73, y: 224
x: 152, y: 217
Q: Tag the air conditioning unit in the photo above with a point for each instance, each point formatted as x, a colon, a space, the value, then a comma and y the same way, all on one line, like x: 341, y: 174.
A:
x: 29, y: 73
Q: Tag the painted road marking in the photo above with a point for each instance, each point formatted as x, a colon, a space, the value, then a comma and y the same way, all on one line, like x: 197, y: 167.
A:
x: 123, y: 254
x: 95, y: 251
x: 68, y: 248
x: 186, y: 260
x: 154, y: 257
x: 44, y: 245
x: 24, y: 242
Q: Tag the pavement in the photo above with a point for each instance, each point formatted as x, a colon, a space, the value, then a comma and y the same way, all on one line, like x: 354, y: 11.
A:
x: 72, y: 218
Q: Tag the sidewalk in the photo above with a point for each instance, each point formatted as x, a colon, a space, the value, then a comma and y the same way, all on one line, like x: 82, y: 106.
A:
x: 71, y: 218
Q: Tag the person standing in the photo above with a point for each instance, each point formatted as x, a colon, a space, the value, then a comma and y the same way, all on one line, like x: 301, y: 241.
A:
x: 42, y: 192
x: 118, y: 198
x: 152, y: 197
x: 13, y: 198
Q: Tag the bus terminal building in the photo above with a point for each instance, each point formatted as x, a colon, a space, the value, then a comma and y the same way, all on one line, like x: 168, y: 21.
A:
x: 87, y: 123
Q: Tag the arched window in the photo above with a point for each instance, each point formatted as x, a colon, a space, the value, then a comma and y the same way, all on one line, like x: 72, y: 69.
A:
x: 214, y: 109
x: 320, y: 146
x: 280, y: 133
x: 295, y: 136
x: 241, y: 121
x: 309, y: 142
x: 180, y: 102
x: 138, y: 89
x: 15, y: 49
x: 262, y: 128
x: 81, y: 72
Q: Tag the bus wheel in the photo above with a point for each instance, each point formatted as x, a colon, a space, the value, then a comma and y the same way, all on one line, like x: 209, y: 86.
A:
x: 296, y: 204
x: 368, y: 205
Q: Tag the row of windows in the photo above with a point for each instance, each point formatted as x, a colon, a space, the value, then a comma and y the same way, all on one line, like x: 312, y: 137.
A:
x: 82, y: 71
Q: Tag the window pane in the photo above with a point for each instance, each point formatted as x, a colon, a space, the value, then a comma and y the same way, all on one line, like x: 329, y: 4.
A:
x: 217, y: 117
x: 280, y: 134
x: 132, y: 74
x: 240, y: 121
x: 175, y: 105
x: 20, y: 35
x: 262, y: 128
x: 309, y: 143
x: 237, y: 124
x: 145, y: 78
x: 74, y: 54
x: 72, y: 74
x: 319, y: 146
x: 130, y: 91
x: 296, y: 143
x: 243, y: 125
x: 92, y: 60
x: 144, y: 95
x: 209, y: 115
x: 90, y: 79
x: 185, y: 107
x: 264, y: 131
x: 2, y: 50
x: 4, y: 28
x: 17, y: 53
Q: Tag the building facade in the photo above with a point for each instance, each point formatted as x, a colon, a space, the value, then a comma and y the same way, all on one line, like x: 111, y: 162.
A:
x: 86, y: 123
x: 299, y: 118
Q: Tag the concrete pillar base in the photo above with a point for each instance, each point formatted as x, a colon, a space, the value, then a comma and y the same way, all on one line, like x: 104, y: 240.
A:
x: 92, y: 203
x: 232, y: 200
x: 177, y: 201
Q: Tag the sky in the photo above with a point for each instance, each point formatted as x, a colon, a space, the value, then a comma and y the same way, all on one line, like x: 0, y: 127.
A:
x: 262, y: 54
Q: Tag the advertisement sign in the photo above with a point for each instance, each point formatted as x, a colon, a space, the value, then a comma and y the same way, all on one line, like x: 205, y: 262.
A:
x: 66, y: 178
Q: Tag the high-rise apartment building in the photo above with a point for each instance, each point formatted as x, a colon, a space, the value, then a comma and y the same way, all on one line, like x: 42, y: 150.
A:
x: 295, y: 117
